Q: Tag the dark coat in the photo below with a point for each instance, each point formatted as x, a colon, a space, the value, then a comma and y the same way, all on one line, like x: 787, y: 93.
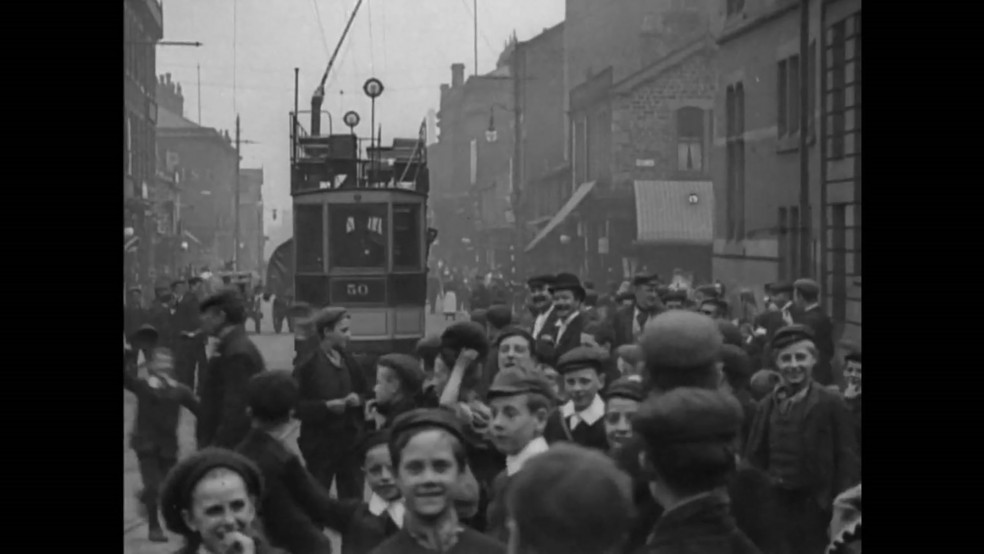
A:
x: 361, y: 531
x: 622, y: 325
x: 823, y: 337
x: 261, y: 548
x: 323, y: 433
x: 572, y: 335
x: 702, y: 526
x: 133, y: 318
x: 155, y: 428
x: 159, y: 315
x: 186, y: 318
x: 829, y: 444
x: 771, y: 321
x: 294, y: 504
x: 588, y: 436
x: 469, y: 542
x: 224, y: 421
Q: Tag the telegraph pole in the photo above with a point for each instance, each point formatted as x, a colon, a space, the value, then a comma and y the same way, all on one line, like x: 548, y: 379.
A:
x: 235, y: 233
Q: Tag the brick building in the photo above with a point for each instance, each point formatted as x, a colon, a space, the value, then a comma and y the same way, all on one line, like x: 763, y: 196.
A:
x: 142, y: 29
x: 205, y: 162
x: 763, y: 230
x: 471, y: 175
x: 635, y: 78
x: 251, y: 220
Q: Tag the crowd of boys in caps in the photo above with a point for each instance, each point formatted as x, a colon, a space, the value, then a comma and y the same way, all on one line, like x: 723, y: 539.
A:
x: 646, y: 421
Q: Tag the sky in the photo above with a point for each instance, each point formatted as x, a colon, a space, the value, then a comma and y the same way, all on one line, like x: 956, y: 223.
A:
x: 251, y: 47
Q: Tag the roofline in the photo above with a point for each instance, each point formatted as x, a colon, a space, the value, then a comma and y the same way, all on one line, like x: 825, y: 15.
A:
x: 705, y: 43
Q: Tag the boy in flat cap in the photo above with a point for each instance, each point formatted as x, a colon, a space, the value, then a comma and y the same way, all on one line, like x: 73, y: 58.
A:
x: 427, y: 447
x: 629, y: 362
x: 497, y: 319
x: 520, y: 405
x: 541, y: 303
x: 224, y: 421
x: 154, y: 438
x: 803, y: 437
x: 580, y: 419
x: 629, y: 322
x: 399, y: 381
x: 622, y: 399
x: 690, y: 456
x: 332, y: 390
x: 806, y: 296
x: 569, y: 500
x: 568, y: 295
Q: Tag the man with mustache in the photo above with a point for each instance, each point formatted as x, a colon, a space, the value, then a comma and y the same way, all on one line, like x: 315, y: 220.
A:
x: 629, y: 322
x: 568, y: 296
x: 803, y: 437
x: 541, y: 303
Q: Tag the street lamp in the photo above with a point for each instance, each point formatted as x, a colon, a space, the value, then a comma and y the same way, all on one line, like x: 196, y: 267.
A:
x: 491, y: 135
x: 351, y: 119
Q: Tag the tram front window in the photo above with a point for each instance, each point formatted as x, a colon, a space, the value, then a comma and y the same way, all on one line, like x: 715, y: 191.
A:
x: 358, y: 235
x: 406, y: 236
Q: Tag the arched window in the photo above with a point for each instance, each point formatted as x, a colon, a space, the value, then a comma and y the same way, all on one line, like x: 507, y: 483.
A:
x: 690, y: 139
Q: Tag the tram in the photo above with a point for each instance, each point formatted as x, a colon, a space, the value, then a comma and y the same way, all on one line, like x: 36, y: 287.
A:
x: 360, y: 236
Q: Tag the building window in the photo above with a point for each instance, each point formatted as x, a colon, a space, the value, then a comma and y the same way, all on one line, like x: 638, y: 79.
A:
x: 838, y: 259
x: 735, y: 163
x: 793, y: 242
x: 789, y: 96
x: 837, y: 92
x: 690, y: 139
x: 783, y: 240
x: 580, y: 149
x: 734, y: 7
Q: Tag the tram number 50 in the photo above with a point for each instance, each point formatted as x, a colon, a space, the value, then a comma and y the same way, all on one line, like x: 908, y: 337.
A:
x: 357, y: 289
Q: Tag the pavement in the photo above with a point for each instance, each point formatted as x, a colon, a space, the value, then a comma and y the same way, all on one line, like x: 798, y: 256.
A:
x: 278, y: 352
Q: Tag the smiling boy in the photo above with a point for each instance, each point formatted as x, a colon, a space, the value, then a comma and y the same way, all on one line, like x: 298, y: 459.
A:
x: 580, y: 420
x: 427, y: 447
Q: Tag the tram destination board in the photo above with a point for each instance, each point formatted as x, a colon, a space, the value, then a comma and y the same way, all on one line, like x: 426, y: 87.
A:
x: 358, y: 290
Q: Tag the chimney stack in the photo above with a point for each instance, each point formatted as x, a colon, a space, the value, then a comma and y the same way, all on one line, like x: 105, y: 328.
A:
x: 457, y: 75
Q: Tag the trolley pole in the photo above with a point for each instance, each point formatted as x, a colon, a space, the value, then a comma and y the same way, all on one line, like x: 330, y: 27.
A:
x: 235, y: 231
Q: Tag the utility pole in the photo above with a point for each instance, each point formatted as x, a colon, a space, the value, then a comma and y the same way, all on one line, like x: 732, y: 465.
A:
x: 199, y: 69
x: 235, y: 233
x: 475, y: 34
x: 806, y: 219
x: 519, y: 73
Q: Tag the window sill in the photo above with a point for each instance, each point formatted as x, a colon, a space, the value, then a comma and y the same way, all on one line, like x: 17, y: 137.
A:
x: 685, y: 175
x: 791, y: 143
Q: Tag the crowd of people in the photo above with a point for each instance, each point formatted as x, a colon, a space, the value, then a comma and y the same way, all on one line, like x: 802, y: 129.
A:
x: 647, y: 420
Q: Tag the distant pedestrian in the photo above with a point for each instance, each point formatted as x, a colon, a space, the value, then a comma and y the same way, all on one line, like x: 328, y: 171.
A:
x: 450, y: 303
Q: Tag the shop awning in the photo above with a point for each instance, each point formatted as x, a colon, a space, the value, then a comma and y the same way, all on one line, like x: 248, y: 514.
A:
x: 558, y: 218
x: 675, y: 211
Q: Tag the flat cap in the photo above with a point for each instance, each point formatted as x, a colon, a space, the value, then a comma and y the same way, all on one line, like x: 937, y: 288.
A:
x: 678, y: 339
x: 709, y: 290
x: 640, y: 280
x: 540, y: 281
x: 499, y: 316
x: 426, y: 417
x: 625, y: 388
x: 571, y: 499
x: 807, y: 286
x: 631, y: 353
x: 790, y: 334
x: 407, y: 368
x: 428, y: 346
x: 779, y: 288
x: 582, y: 357
x: 730, y: 333
x: 675, y: 295
x: 479, y: 316
x: 227, y: 299
x: 465, y: 334
x: 737, y: 363
x: 328, y: 317
x: 146, y: 333
x: 721, y: 305
x: 510, y: 382
x: 688, y: 415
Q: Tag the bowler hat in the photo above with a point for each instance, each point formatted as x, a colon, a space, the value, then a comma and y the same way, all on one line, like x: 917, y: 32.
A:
x: 569, y: 281
x: 540, y: 281
x: 808, y: 287
x: 146, y: 334
x: 640, y: 280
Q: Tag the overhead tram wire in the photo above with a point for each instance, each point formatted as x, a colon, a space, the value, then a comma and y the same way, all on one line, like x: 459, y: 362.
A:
x: 372, y: 50
x: 235, y: 17
x: 321, y: 27
x: 481, y: 32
